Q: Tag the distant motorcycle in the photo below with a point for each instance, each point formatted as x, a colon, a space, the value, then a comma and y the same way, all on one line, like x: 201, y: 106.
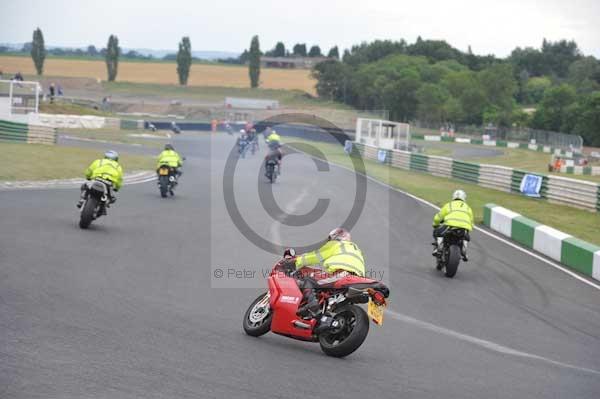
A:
x: 96, y: 201
x: 340, y: 327
x: 175, y: 129
x: 271, y: 169
x: 242, y: 147
x: 167, y: 180
x: 448, y: 258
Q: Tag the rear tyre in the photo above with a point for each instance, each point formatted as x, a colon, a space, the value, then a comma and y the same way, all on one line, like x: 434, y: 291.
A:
x: 350, y: 336
x: 163, y: 185
x: 453, y: 260
x: 257, y: 319
x: 87, y: 213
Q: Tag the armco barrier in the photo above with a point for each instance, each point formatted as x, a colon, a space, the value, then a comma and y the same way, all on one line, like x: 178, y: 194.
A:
x: 561, y: 190
x: 27, y: 133
x: 570, y: 251
x: 13, y: 131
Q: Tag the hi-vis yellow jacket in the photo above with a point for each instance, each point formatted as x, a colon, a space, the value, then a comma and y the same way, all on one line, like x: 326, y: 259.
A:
x: 169, y: 157
x: 335, y: 256
x: 455, y: 214
x: 106, y: 169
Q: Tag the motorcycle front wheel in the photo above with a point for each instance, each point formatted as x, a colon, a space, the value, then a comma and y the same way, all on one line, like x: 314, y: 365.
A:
x: 257, y: 319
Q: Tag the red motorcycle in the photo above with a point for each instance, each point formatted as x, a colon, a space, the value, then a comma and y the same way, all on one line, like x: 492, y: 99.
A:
x: 340, y: 326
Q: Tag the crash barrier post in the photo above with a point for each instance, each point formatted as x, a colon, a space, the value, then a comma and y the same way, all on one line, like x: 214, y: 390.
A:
x: 27, y: 133
x: 561, y: 247
x: 556, y: 189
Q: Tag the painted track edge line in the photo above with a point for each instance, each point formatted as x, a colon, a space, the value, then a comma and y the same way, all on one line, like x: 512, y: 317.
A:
x: 501, y: 239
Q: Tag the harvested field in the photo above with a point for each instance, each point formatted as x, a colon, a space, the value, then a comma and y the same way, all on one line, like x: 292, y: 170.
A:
x: 165, y: 73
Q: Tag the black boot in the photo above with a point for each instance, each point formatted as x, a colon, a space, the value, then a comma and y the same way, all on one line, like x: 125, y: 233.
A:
x: 311, y: 308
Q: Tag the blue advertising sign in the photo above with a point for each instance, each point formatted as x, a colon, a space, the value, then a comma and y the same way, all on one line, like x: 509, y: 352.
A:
x: 531, y: 185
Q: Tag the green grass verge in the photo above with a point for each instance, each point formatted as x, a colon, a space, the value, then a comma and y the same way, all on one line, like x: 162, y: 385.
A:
x: 45, y: 162
x: 208, y: 93
x: 532, y: 161
x: 66, y: 108
x: 118, y: 136
x: 579, y: 223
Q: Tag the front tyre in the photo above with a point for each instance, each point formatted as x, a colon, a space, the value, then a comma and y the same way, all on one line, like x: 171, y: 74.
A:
x: 257, y: 319
x: 87, y: 213
x: 349, y: 336
x: 453, y: 260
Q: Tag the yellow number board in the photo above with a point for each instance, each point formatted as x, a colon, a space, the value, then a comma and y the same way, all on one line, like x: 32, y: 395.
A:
x: 375, y: 312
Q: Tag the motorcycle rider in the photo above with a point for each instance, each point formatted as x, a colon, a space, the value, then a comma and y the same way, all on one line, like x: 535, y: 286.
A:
x: 170, y: 158
x: 107, y: 169
x: 242, y: 141
x: 175, y: 128
x: 456, y: 213
x: 274, y: 140
x: 338, y: 257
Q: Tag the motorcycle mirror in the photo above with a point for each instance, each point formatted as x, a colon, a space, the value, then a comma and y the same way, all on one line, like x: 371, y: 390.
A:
x: 289, y: 253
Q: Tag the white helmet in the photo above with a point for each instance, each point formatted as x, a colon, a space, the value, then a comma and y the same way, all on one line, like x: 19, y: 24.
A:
x: 113, y: 155
x: 459, y: 195
x: 242, y: 131
x: 339, y: 234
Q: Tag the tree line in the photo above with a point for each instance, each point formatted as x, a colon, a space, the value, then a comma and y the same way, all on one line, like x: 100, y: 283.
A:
x: 432, y: 81
x: 298, y: 50
x: 112, y: 53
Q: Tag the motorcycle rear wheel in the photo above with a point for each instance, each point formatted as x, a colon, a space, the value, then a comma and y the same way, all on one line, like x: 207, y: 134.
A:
x: 352, y: 334
x: 87, y: 213
x: 260, y: 326
x: 164, y: 186
x: 453, y: 260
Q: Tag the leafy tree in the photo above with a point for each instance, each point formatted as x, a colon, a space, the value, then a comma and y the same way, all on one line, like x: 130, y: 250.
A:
x: 184, y: 60
x: 552, y: 111
x: 279, y: 50
x: 584, y: 74
x: 315, y: 51
x: 254, y: 62
x: 559, y: 55
x: 434, y: 50
x: 91, y: 50
x: 530, y: 60
x: 500, y: 86
x: 299, y: 50
x: 432, y: 100
x: 334, y: 52
x: 332, y: 80
x: 113, y: 51
x: 588, y: 121
x: 38, y: 51
x: 370, y: 52
x: 535, y: 88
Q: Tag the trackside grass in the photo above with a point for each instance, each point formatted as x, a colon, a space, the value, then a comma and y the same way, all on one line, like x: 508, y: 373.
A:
x: 44, y: 162
x: 120, y: 136
x: 579, y: 223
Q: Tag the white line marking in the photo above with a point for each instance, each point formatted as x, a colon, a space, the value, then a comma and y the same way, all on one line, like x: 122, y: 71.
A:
x: 533, y: 254
x: 289, y: 208
x: 482, y: 343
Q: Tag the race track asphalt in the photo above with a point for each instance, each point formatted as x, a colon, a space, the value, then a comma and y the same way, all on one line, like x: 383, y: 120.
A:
x: 131, y: 307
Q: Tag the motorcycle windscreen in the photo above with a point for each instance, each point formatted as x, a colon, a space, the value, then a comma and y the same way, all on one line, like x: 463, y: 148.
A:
x: 285, y: 300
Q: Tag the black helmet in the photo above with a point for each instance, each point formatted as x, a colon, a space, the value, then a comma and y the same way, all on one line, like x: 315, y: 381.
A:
x: 169, y: 147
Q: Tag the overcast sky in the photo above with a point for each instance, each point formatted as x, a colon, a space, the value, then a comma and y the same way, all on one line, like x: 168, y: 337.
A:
x: 488, y: 26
